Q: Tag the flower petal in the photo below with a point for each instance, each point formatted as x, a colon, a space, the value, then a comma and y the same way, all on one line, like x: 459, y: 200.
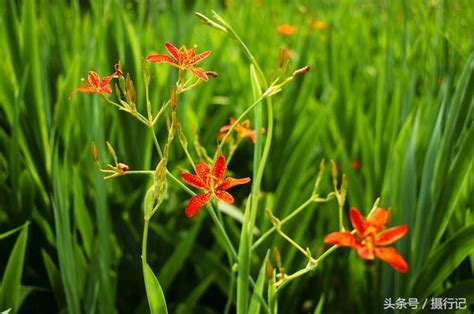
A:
x: 159, y: 58
x: 106, y: 89
x: 203, y: 170
x: 391, y: 235
x: 224, y: 128
x: 173, y: 51
x: 358, y: 221
x: 200, y: 73
x: 193, y: 180
x: 199, y: 57
x: 85, y: 89
x: 342, y: 239
x: 231, y: 182
x: 196, y: 203
x: 224, y: 196
x: 365, y: 253
x: 93, y: 78
x: 378, y: 218
x: 392, y: 257
x: 219, y: 168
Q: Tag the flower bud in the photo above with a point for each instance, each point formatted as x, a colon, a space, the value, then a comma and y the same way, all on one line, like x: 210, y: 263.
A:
x: 95, y: 153
x: 301, y: 71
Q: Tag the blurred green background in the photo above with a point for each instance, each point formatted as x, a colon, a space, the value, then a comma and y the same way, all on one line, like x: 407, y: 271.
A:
x: 390, y: 89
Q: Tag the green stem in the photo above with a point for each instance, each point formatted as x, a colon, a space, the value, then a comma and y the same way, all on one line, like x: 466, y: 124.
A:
x: 293, y: 214
x: 145, y: 238
x: 223, y: 233
x: 155, y: 140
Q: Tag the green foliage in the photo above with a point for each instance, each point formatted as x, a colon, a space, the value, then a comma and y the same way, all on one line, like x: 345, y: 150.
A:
x: 389, y: 97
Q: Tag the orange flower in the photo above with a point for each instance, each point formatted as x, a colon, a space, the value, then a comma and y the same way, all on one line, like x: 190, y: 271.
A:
x: 213, y: 182
x: 372, y: 239
x: 183, y: 58
x: 286, y: 29
x: 96, y: 85
x: 243, y: 130
x: 319, y: 25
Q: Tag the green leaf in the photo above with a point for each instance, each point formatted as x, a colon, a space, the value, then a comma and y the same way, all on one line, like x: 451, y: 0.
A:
x: 11, y: 282
x: 258, y: 289
x: 156, y: 298
x: 319, y: 307
x: 443, y: 261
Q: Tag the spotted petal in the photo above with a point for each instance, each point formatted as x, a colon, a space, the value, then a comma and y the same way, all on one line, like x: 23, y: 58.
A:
x: 231, y: 182
x: 393, y: 258
x: 358, y: 221
x: 160, y: 58
x: 391, y: 235
x: 200, y: 73
x: 224, y: 196
x: 196, y: 203
x: 93, y: 78
x: 106, y: 89
x: 173, y: 51
x: 342, y: 239
x: 200, y: 57
x: 219, y: 168
x: 193, y: 180
x: 378, y: 218
x: 203, y: 170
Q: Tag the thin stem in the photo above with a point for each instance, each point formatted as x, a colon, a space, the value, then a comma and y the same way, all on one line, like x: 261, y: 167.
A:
x: 293, y: 214
x: 223, y: 233
x: 292, y: 242
x: 155, y: 140
x: 155, y: 120
x: 233, y: 149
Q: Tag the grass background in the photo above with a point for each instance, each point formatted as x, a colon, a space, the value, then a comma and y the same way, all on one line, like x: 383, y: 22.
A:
x: 391, y: 86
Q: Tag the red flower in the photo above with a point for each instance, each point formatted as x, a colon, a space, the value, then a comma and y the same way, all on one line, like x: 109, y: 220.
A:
x: 183, y: 59
x: 243, y: 130
x: 213, y: 183
x: 372, y: 238
x: 96, y: 85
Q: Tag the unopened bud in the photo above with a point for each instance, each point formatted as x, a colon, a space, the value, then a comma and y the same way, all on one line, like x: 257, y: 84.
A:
x: 131, y: 93
x: 112, y: 152
x: 281, y: 57
x: 117, y: 91
x: 277, y: 256
x: 269, y: 269
x: 212, y: 74
x: 301, y: 71
x: 173, y: 99
x: 95, y: 153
